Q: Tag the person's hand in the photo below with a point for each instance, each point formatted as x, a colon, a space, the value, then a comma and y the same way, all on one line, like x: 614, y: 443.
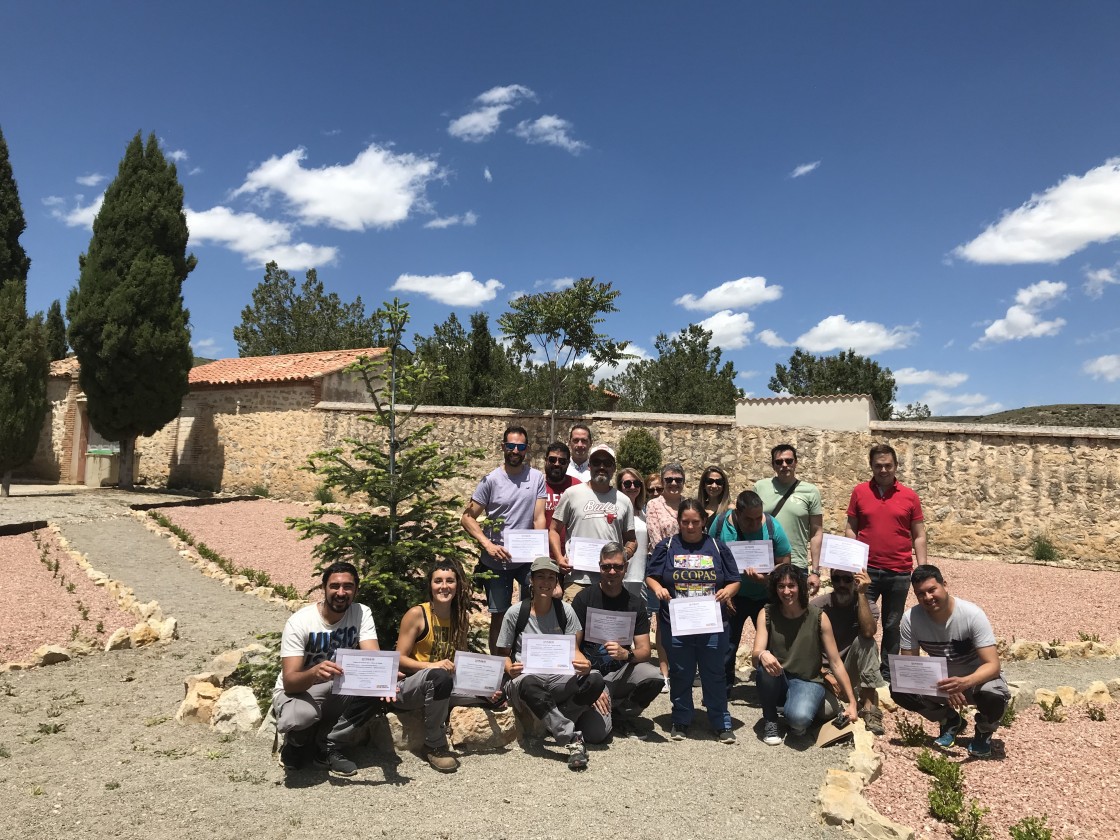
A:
x: 582, y: 665
x: 757, y: 577
x: 564, y: 565
x: 769, y: 663
x: 955, y: 688
x: 326, y: 671
x: 724, y: 596
x: 863, y: 581
x: 445, y: 664
x: 498, y: 552
x: 663, y: 594
x: 852, y: 712
x: 814, y: 583
x: 603, y: 703
x: 514, y: 669
x: 616, y: 651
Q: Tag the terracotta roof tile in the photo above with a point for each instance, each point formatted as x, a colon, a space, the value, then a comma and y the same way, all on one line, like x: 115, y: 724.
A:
x: 824, y: 398
x: 293, y: 367
x: 65, y: 367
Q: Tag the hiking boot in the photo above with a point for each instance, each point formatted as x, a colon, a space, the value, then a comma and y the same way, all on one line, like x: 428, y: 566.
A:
x: 873, y: 719
x: 725, y: 736
x: 442, y: 760
x: 950, y: 729
x: 294, y: 756
x: 334, y: 761
x: 577, y: 753
x: 981, y: 745
x: 678, y: 732
x: 771, y: 735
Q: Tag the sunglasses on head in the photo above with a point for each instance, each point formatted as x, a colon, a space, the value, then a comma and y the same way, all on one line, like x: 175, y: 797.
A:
x: 612, y: 567
x: 630, y: 484
x: 558, y: 460
x: 516, y: 447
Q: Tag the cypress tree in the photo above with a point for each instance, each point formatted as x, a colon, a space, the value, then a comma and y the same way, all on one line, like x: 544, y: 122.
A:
x: 128, y: 326
x: 23, y: 350
x: 56, y: 332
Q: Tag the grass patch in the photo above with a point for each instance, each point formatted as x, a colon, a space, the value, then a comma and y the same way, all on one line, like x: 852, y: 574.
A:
x: 971, y: 825
x: 261, y: 676
x: 1044, y: 551
x: 1031, y: 828
x: 1052, y: 712
x: 1088, y: 637
x: 112, y: 785
x: 1009, y: 715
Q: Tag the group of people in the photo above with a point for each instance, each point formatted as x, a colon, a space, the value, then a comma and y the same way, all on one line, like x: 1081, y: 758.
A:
x: 814, y: 654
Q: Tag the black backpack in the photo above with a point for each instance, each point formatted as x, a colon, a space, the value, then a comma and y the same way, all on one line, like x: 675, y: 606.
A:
x: 523, y: 618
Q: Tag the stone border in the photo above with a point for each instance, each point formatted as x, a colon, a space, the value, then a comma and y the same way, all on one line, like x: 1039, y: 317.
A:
x: 152, y: 625
x: 1024, y: 650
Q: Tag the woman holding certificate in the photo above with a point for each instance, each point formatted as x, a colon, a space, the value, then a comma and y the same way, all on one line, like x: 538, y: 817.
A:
x: 789, y: 638
x: 694, y: 577
x: 661, y: 523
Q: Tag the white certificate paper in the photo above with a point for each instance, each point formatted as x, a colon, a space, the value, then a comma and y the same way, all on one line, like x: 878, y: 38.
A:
x: 918, y: 674
x: 368, y: 673
x: 583, y: 553
x: 843, y: 553
x: 478, y: 674
x: 525, y: 544
x: 693, y: 616
x: 548, y: 653
x: 753, y: 554
x: 609, y: 626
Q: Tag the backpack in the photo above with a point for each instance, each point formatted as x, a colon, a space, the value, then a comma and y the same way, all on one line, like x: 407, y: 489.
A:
x: 768, y: 524
x: 523, y: 617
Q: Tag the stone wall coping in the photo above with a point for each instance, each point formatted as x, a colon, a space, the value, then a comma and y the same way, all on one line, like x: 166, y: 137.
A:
x: 615, y: 416
x: 995, y: 429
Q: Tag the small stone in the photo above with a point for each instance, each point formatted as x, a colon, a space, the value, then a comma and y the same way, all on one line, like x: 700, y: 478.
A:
x: 482, y: 729
x: 169, y: 629
x: 236, y: 710
x: 50, y: 654
x: 143, y: 634
x: 198, y: 705
x: 1097, y: 693
x: 119, y: 640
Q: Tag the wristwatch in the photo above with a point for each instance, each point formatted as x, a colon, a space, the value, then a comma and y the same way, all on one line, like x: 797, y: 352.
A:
x: 629, y: 656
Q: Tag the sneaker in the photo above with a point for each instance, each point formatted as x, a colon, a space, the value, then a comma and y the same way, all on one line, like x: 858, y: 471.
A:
x: 334, y: 761
x: 293, y: 756
x: 981, y: 745
x: 771, y: 735
x: 873, y: 719
x: 725, y: 736
x: 950, y: 729
x: 678, y: 732
x: 577, y: 753
x: 665, y: 688
x: 442, y: 760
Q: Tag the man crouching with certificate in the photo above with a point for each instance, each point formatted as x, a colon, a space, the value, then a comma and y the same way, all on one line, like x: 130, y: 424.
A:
x: 958, y: 637
x: 545, y: 670
x: 314, y: 721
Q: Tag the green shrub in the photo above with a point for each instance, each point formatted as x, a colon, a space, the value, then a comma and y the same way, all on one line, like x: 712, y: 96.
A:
x: 640, y: 451
x: 945, y: 803
x: 1052, y: 711
x: 971, y: 825
x: 1009, y: 715
x: 1043, y: 550
x: 1088, y: 637
x: 261, y: 676
x: 1031, y: 828
x: 911, y: 734
x: 1095, y: 712
x: 942, y: 769
x: 259, y: 490
x: 324, y: 495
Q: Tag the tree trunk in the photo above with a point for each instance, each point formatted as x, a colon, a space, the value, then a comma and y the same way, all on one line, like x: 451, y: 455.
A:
x: 6, y: 483
x: 124, y: 472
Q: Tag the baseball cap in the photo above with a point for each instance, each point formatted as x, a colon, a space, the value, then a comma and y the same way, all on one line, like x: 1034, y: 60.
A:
x: 602, y: 447
x: 544, y: 564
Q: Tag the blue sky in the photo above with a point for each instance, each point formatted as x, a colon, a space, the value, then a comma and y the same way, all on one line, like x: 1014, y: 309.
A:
x: 934, y: 185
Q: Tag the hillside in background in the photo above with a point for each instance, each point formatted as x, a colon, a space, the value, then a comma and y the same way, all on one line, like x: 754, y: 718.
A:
x: 1095, y: 416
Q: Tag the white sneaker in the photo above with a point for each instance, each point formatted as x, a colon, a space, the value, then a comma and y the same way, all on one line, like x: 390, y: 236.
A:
x: 665, y: 688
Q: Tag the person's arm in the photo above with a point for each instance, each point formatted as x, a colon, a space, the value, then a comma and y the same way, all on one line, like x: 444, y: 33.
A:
x: 730, y: 574
x: 298, y: 679
x: 851, y: 530
x: 469, y: 521
x: 642, y: 648
x: 918, y: 534
x: 816, y: 536
x: 763, y: 658
x: 412, y: 626
x: 836, y: 665
x: 556, y: 545
x: 653, y: 568
x: 629, y: 544
x: 956, y: 687
x: 863, y: 606
x: 539, y: 523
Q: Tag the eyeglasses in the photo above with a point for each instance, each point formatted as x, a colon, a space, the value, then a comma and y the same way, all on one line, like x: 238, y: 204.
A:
x: 516, y: 447
x: 654, y: 491
x: 612, y: 567
x: 716, y: 481
x: 673, y: 479
x: 628, y: 484
x: 552, y: 459
x: 597, y: 463
x: 785, y: 460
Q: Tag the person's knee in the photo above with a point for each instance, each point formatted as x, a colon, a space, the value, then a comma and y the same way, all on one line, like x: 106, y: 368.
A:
x: 442, y: 683
x: 295, y: 713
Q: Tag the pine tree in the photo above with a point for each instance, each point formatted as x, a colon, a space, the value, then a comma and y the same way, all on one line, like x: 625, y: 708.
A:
x: 56, y: 332
x: 23, y: 349
x: 128, y: 326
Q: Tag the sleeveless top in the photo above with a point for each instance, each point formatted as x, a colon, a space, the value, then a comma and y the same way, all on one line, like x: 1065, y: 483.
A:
x: 435, y: 644
x: 796, y: 642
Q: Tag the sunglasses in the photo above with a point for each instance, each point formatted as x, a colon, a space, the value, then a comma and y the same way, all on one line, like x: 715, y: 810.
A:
x: 628, y: 484
x: 785, y: 460
x: 516, y: 447
x: 597, y: 463
x: 716, y: 481
x: 654, y: 491
x: 552, y: 459
x: 612, y: 567
x: 674, y: 480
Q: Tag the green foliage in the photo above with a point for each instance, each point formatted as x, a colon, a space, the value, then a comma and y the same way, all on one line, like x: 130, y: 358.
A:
x: 128, y: 326
x: 478, y: 370
x: 944, y: 770
x: 1009, y: 715
x: 845, y: 373
x: 51, y: 728
x: 1088, y: 637
x: 685, y: 378
x: 1052, y: 711
x: 259, y: 490
x: 23, y: 342
x: 1043, y: 550
x: 945, y: 802
x: 56, y: 332
x: 564, y: 326
x: 324, y: 495
x: 284, y: 320
x: 397, y: 471
x: 639, y: 450
x: 260, y: 673
x: 5, y: 752
x: 913, y: 411
x: 1095, y: 713
x: 1031, y: 828
x: 971, y: 825
x: 911, y: 734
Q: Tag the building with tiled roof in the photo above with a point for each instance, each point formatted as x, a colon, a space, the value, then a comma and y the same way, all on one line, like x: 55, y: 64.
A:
x: 291, y: 367
x: 841, y: 412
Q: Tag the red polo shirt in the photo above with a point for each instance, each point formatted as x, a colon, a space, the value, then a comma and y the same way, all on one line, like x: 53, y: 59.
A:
x: 883, y: 521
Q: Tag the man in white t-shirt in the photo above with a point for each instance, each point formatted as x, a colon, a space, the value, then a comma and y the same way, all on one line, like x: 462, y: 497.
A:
x: 579, y: 443
x: 942, y: 625
x: 316, y: 723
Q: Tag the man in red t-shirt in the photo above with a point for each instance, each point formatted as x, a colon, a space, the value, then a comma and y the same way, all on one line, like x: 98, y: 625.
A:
x: 556, y: 481
x: 888, y: 517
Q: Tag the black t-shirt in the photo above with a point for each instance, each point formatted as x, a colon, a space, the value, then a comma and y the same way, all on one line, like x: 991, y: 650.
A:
x: 593, y: 596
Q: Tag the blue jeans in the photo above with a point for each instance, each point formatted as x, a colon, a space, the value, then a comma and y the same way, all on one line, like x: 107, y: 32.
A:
x: 802, y: 699
x: 893, y: 587
x: 746, y: 609
x: 687, y: 654
x: 499, y: 589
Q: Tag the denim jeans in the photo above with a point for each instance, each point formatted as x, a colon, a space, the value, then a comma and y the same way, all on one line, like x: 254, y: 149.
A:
x: 746, y: 609
x: 893, y: 587
x: 705, y: 652
x: 802, y: 699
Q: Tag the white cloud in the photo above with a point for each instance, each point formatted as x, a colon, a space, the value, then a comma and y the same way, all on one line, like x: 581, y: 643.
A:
x: 177, y: 155
x: 944, y: 403
x: 635, y: 354
x: 257, y: 240
x: 91, y: 180
x: 459, y: 289
x: 1022, y: 318
x: 746, y: 374
x: 729, y: 329
x: 1077, y: 211
x: 550, y: 130
x: 468, y: 219
x: 1103, y: 367
x: 836, y: 332
x: 911, y: 376
x: 197, y: 170
x: 1097, y: 279
x: 734, y: 294
x: 772, y: 339
x: 77, y: 216
x: 486, y: 174
x: 557, y: 285
x: 206, y: 347
x: 475, y: 126
x: 378, y: 190
x: 804, y: 169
